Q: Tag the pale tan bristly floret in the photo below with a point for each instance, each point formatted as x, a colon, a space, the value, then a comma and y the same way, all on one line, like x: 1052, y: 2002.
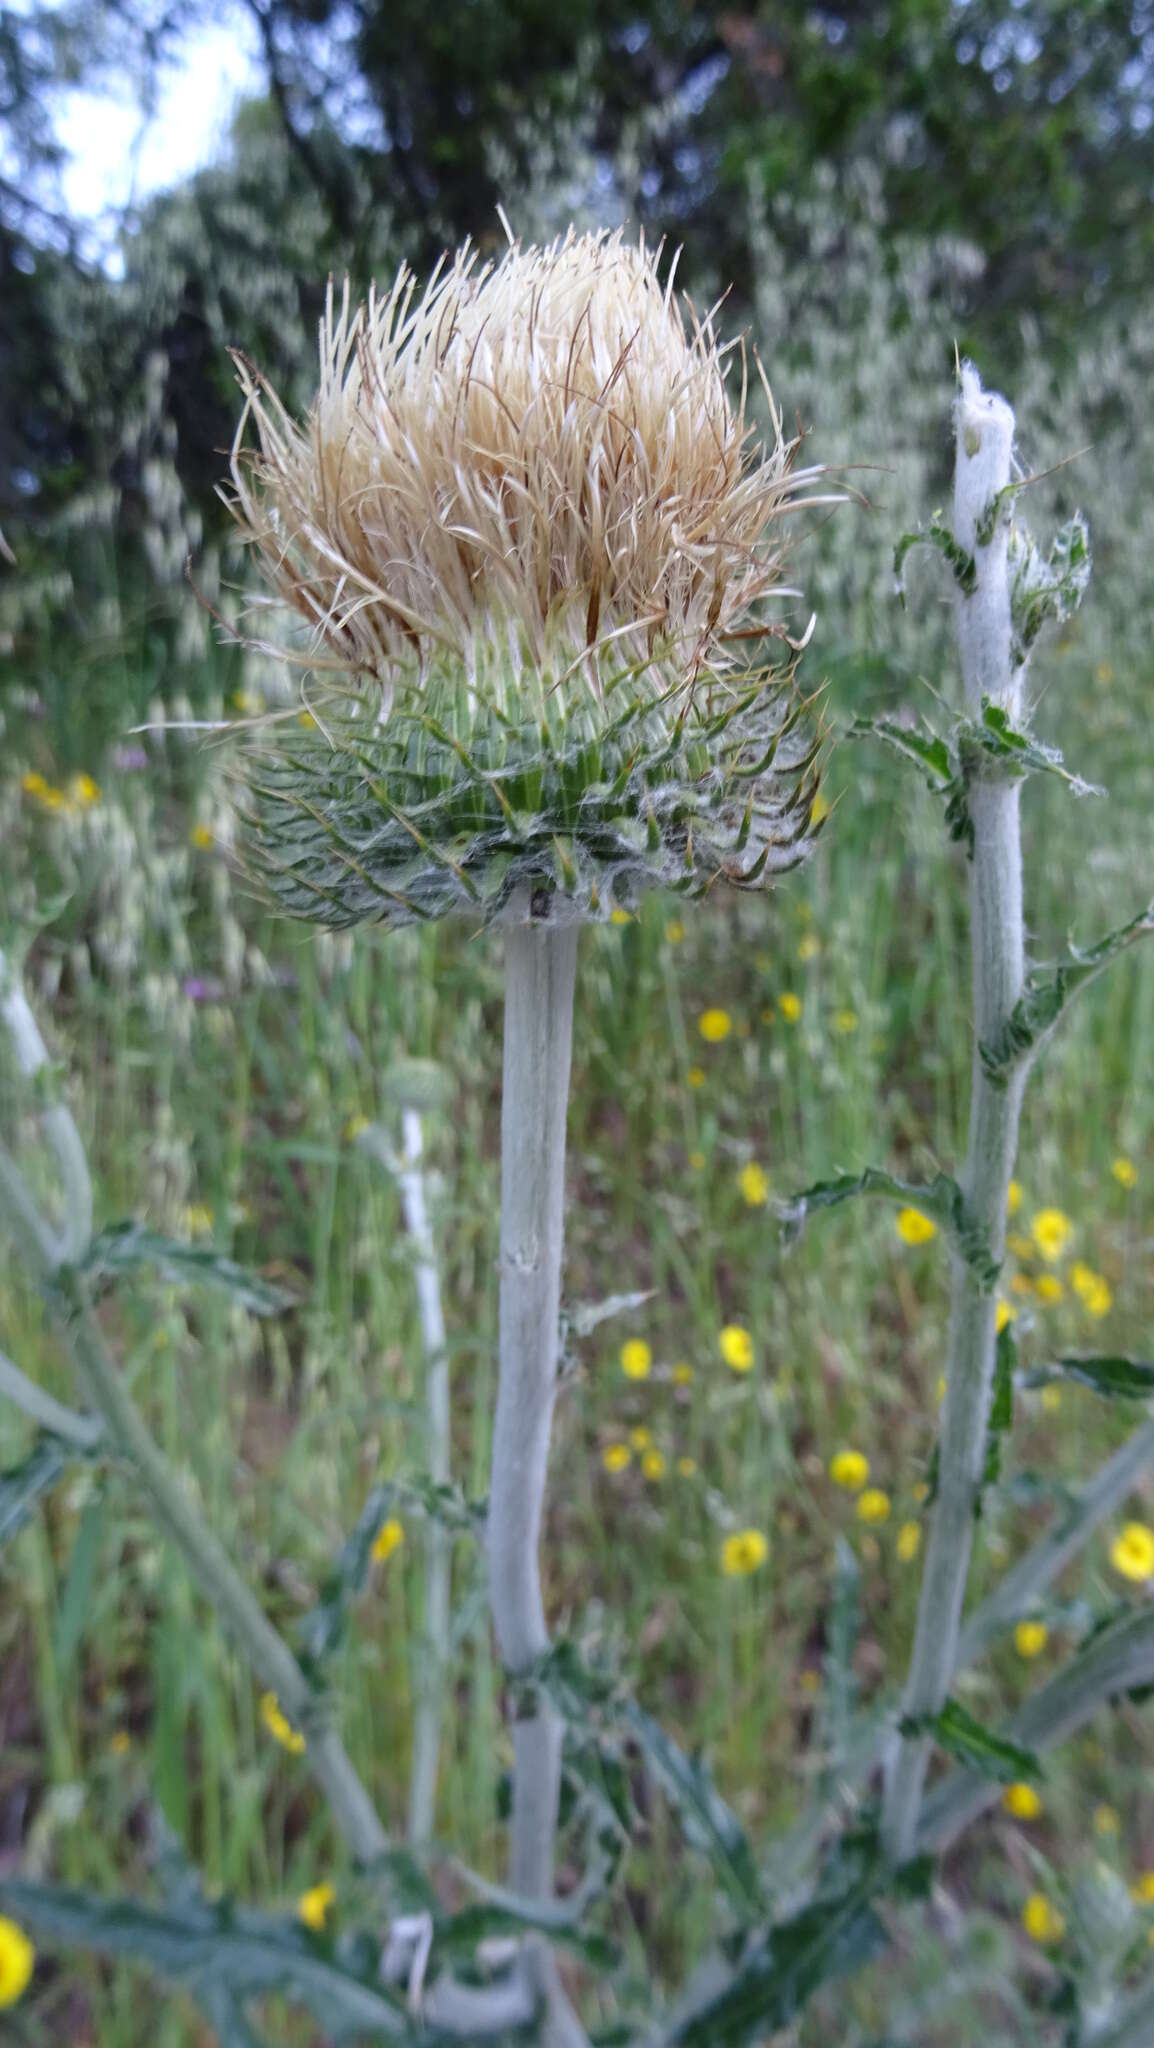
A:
x: 533, y: 464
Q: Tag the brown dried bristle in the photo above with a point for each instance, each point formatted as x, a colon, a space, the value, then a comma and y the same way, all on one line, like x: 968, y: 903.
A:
x: 532, y: 465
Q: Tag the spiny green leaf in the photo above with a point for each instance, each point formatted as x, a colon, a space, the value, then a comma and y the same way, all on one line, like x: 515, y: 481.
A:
x: 1120, y: 1378
x: 709, y: 1824
x: 25, y: 1484
x: 963, y: 1737
x: 1049, y: 989
x: 936, y: 535
x: 1050, y: 589
x: 780, y: 1971
x: 926, y: 749
x: 124, y: 1247
x: 994, y: 738
x: 243, y: 1953
x: 940, y: 1199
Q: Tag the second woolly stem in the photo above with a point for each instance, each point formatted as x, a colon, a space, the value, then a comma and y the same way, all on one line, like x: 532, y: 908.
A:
x: 540, y: 967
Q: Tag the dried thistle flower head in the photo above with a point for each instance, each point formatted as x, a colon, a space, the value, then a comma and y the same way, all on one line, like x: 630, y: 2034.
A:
x: 528, y: 529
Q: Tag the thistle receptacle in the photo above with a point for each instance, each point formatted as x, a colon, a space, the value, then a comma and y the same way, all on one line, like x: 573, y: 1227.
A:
x: 529, y: 533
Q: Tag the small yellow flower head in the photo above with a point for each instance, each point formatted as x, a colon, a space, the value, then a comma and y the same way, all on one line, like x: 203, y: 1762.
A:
x: 619, y: 916
x: 696, y: 1161
x: 1004, y: 1313
x: 809, y: 948
x: 120, y: 1743
x: 199, y: 1219
x: 1132, y: 1552
x: 696, y: 1077
x: 1049, y: 1289
x: 675, y: 931
x: 909, y: 1542
x: 389, y: 1538
x: 1098, y: 1299
x: 1041, y: 1920
x: 636, y: 1359
x: 1051, y: 1230
x: 754, y: 1184
x: 1030, y: 1638
x: 1013, y: 1198
x: 640, y: 1438
x: 1124, y: 1171
x: 682, y: 1374
x: 1142, y: 1890
x: 736, y: 1347
x: 914, y: 1228
x: 315, y: 1905
x: 17, y: 1957
x: 873, y: 1505
x: 715, y: 1025
x: 33, y: 783
x: 743, y: 1553
x: 616, y: 1458
x: 279, y: 1727
x: 1022, y: 1801
x: 1106, y: 1821
x: 687, y: 1467
x: 202, y: 837
x: 850, y: 1469
x: 845, y: 1022
x: 653, y: 1464
x: 790, y: 1006
x: 83, y: 792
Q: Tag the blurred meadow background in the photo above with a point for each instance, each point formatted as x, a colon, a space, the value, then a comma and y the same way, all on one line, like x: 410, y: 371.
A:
x: 875, y: 186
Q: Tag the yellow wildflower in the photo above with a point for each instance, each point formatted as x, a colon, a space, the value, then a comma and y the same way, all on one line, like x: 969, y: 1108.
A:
x: 675, y: 931
x: 845, y: 1022
x: 616, y: 1458
x: 1003, y: 1314
x: 909, y: 1542
x: 754, y: 1184
x: 17, y: 1957
x: 873, y: 1505
x: 1132, y: 1552
x: 33, y: 783
x: 83, y: 791
x: 1124, y: 1171
x: 714, y: 1025
x: 640, y: 1438
x: 696, y: 1077
x: 636, y: 1359
x: 850, y: 1469
x: 314, y: 1906
x: 619, y: 916
x: 1051, y: 1230
x: 279, y: 1727
x: 389, y: 1537
x: 1022, y: 1801
x: 120, y: 1743
x: 818, y: 809
x: 1013, y: 1198
x: 1030, y: 1638
x: 306, y: 719
x: 653, y: 1464
x: 1049, y: 1288
x: 687, y: 1467
x: 1106, y: 1821
x: 682, y: 1374
x: 199, y: 1219
x: 743, y: 1553
x: 1142, y: 1890
x: 809, y: 948
x: 1041, y: 1920
x: 790, y: 1006
x: 697, y: 1161
x: 1098, y: 1300
x: 914, y: 1228
x: 202, y: 837
x: 736, y: 1347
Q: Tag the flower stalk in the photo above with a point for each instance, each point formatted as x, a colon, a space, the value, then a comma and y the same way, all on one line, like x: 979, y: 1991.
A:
x: 985, y: 432
x: 540, y: 964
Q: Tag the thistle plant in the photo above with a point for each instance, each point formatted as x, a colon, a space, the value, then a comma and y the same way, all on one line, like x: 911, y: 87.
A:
x: 532, y: 537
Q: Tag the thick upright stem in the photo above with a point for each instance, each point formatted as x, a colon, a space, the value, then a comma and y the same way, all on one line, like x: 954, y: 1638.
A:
x: 540, y: 963
x: 438, y: 1545
x: 985, y: 430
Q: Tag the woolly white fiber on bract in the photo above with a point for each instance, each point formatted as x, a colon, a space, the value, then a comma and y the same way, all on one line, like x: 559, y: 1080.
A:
x: 533, y: 463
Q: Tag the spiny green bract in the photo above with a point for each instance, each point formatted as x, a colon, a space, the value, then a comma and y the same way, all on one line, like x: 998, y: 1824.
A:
x: 454, y: 801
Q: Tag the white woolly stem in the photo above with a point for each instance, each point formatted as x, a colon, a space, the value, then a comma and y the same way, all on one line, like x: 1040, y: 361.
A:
x: 985, y: 432
x: 438, y: 1546
x: 540, y: 964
